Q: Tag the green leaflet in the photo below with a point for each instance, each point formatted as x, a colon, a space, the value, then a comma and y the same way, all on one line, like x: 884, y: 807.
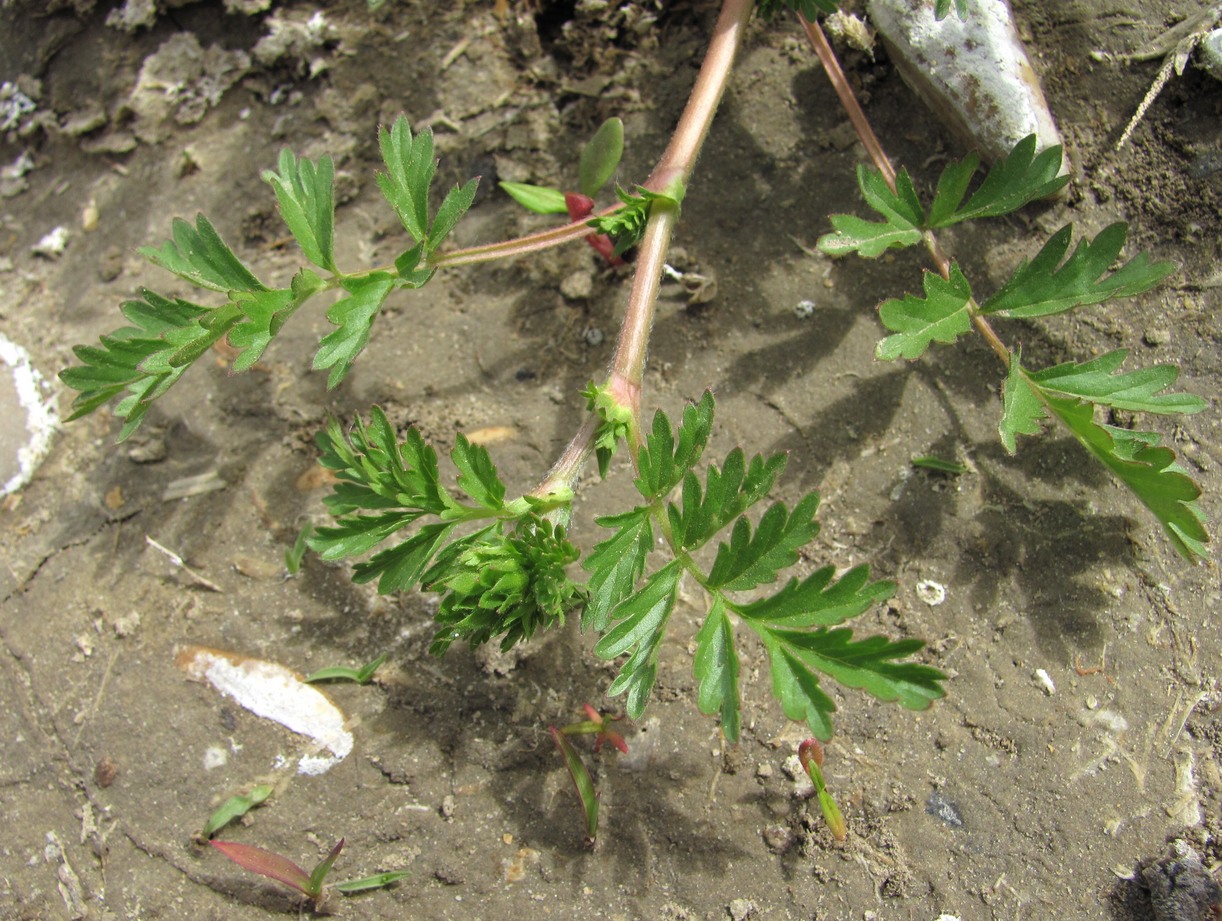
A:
x: 639, y: 624
x: 410, y: 168
x: 354, y: 315
x: 1040, y: 288
x: 868, y: 664
x: 901, y: 210
x: 199, y: 255
x: 819, y: 600
x: 600, y: 157
x: 1069, y: 391
x: 942, y: 9
x: 716, y: 669
x: 943, y: 315
x: 536, y: 198
x: 1023, y: 176
x: 307, y: 204
x: 729, y: 492
x: 616, y: 565
x: 477, y: 475
x: 750, y: 559
x: 664, y: 459
x: 265, y: 312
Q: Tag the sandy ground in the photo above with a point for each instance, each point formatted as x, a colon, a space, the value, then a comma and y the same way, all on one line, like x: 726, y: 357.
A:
x: 1012, y: 799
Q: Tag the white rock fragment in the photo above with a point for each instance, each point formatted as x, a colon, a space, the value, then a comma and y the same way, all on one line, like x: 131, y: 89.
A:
x: 1044, y: 680
x: 53, y: 243
x: 973, y: 73
x: 278, y: 694
x: 931, y: 592
x: 24, y: 442
x: 804, y: 309
x: 215, y: 757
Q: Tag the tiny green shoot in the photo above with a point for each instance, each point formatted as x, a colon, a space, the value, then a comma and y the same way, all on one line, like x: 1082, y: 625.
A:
x: 296, y: 553
x: 235, y: 807
x: 810, y: 753
x: 313, y: 884
x: 939, y: 465
x: 362, y: 675
x: 581, y: 780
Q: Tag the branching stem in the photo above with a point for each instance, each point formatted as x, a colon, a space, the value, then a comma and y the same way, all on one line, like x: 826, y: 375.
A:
x: 878, y: 156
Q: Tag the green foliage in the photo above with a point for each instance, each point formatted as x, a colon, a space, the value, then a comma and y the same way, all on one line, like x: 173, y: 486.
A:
x: 235, y: 807
x: 1051, y: 283
x: 362, y: 675
x: 1039, y: 288
x: 615, y: 424
x: 942, y: 9
x: 626, y: 226
x: 943, y: 315
x: 793, y: 622
x: 536, y: 198
x: 600, y: 157
x: 137, y: 364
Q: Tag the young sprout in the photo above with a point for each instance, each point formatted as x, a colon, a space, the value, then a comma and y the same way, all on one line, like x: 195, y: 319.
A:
x: 234, y: 808
x: 596, y: 725
x: 313, y: 884
x: 810, y: 753
x: 362, y: 675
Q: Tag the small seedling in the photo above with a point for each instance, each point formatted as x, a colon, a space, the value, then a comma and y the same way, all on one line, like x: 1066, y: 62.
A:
x: 810, y: 753
x: 296, y: 553
x: 939, y: 465
x: 599, y: 159
x: 312, y: 885
x: 596, y: 725
x: 235, y: 807
x: 362, y: 675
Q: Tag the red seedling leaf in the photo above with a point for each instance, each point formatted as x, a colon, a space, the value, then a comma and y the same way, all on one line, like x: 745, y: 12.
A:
x: 266, y: 863
x: 809, y: 751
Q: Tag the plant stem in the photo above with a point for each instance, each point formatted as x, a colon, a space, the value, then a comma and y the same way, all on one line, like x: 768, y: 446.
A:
x: 878, y: 156
x: 530, y: 243
x: 669, y: 177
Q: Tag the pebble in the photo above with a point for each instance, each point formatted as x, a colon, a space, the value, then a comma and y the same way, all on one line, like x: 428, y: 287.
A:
x: 53, y: 243
x: 27, y: 417
x: 931, y: 592
x: 1156, y: 335
x: 741, y: 909
x: 804, y: 309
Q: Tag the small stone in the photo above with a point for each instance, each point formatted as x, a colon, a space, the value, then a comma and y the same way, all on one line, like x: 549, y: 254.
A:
x: 763, y: 771
x: 446, y: 810
x: 53, y: 243
x: 804, y: 309
x: 777, y: 838
x: 127, y: 624
x: 1156, y: 335
x: 941, y: 808
x: 578, y: 286
x: 931, y: 592
x: 593, y: 336
x: 105, y: 772
x: 741, y: 909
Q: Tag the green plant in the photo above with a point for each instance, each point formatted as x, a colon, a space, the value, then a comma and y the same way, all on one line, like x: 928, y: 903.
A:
x: 502, y: 566
x: 235, y: 807
x: 598, y: 725
x: 362, y: 675
x: 312, y: 885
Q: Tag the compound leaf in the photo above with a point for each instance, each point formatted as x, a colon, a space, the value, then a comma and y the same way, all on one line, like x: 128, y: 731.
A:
x: 819, y: 600
x: 616, y: 565
x: 400, y: 567
x: 716, y: 669
x: 952, y: 186
x: 750, y: 559
x: 199, y: 255
x: 943, y: 315
x: 307, y: 204
x: 901, y: 210
x: 1040, y: 288
x: 354, y: 315
x: 627, y: 225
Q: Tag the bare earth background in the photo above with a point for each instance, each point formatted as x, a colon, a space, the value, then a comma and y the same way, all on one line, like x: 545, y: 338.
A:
x: 1003, y: 802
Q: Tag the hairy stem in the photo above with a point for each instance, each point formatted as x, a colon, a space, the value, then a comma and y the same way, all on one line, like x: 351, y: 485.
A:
x: 531, y: 243
x: 878, y: 156
x: 670, y: 178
